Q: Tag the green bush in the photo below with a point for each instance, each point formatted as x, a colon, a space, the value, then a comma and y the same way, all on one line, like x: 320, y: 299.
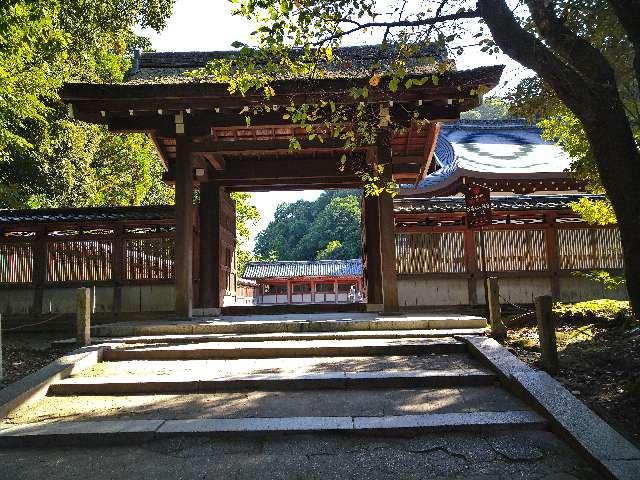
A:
x: 593, y: 311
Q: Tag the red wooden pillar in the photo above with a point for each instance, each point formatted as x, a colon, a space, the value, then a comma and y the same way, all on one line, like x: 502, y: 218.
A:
x: 209, y: 211
x: 387, y: 227
x: 184, y: 229
x: 117, y: 267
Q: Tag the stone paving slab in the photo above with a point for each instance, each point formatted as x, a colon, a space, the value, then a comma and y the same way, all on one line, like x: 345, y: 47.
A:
x: 522, y: 455
x: 289, y: 349
x: 270, y: 382
x: 496, y: 356
x: 320, y: 403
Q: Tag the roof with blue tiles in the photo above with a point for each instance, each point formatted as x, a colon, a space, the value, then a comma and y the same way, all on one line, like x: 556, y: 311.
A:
x: 490, y: 151
x: 290, y: 269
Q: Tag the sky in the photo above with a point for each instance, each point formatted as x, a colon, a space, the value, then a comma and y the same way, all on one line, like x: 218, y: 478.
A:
x: 201, y: 25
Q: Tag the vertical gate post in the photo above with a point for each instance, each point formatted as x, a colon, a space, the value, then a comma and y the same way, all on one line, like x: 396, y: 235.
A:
x: 83, y: 316
x: 498, y: 328
x: 1, y: 376
x: 547, y: 333
x: 184, y: 228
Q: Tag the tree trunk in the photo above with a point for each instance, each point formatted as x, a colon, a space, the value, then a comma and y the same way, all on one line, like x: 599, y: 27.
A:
x: 598, y: 106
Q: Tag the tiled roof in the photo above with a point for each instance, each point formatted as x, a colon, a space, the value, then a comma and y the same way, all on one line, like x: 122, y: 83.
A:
x: 319, y: 268
x: 506, y: 203
x: 510, y: 149
x: 99, y: 214
x: 349, y: 62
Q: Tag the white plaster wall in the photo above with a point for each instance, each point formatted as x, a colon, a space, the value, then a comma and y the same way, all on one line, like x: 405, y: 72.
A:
x: 575, y: 289
x: 16, y: 301
x: 417, y: 291
x: 518, y: 290
x: 63, y: 300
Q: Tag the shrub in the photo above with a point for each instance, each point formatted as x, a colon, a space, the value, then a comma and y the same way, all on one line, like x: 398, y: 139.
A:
x: 593, y: 311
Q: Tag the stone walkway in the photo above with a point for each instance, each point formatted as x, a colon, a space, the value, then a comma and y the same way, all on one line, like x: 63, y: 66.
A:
x: 290, y: 407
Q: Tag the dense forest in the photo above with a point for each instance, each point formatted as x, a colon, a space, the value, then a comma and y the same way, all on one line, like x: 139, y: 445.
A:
x: 327, y: 228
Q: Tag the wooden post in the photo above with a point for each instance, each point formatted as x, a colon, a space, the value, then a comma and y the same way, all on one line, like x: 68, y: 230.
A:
x: 553, y: 259
x: 471, y: 263
x: 498, y: 328
x: 184, y: 229
x: 83, y: 316
x: 117, y: 267
x: 1, y: 372
x: 209, y: 245
x: 372, y: 245
x: 387, y: 228
x: 547, y: 333
x: 39, y: 270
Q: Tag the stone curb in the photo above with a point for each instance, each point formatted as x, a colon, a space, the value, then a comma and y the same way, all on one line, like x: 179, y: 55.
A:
x: 110, y: 432
x: 271, y: 382
x: 345, y: 349
x: 609, y: 451
x: 291, y: 326
x: 34, y: 387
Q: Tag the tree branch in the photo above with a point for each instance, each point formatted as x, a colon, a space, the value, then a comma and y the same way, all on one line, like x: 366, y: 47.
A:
x: 628, y: 13
x: 402, y: 23
x: 577, y: 52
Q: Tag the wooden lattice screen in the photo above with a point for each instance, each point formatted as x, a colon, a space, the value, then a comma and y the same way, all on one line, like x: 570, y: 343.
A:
x: 513, y: 250
x: 149, y: 259
x: 16, y: 263
x: 585, y: 248
x: 73, y: 261
x: 441, y: 252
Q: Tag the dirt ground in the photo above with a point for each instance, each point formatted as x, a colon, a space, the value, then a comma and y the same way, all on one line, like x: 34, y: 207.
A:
x: 599, y: 363
x: 25, y: 353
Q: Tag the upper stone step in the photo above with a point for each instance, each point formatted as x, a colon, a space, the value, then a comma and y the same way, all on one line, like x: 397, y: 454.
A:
x: 286, y: 349
x: 292, y: 323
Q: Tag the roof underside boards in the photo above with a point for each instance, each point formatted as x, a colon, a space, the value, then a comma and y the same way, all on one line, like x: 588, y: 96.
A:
x: 482, y: 151
x: 292, y: 269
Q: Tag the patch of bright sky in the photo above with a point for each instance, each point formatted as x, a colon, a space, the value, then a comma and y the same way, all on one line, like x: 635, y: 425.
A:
x: 202, y: 25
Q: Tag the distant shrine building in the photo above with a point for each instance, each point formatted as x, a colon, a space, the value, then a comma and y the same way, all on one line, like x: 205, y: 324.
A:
x: 417, y: 248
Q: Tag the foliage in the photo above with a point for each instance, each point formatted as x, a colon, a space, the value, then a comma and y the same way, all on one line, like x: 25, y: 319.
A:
x: 592, y: 311
x: 247, y: 215
x: 46, y: 160
x: 328, y: 228
x: 596, y: 212
x: 604, y: 278
x: 491, y: 108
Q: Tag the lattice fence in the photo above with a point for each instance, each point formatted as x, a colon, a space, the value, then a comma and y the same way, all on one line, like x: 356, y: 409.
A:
x: 513, y: 250
x: 73, y: 261
x: 586, y: 248
x: 149, y: 259
x: 16, y: 263
x: 441, y: 252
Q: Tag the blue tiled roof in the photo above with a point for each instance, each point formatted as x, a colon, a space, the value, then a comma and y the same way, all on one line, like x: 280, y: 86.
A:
x: 91, y: 214
x: 510, y: 149
x: 319, y: 268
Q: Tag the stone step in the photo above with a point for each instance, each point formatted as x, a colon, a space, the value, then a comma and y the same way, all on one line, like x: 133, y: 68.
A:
x: 127, y: 431
x: 292, y: 323
x: 257, y: 403
x: 286, y: 349
x: 282, y: 336
x: 270, y: 382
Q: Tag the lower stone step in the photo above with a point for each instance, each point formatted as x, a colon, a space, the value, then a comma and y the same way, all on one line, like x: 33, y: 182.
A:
x: 286, y: 349
x: 271, y: 382
x: 126, y: 431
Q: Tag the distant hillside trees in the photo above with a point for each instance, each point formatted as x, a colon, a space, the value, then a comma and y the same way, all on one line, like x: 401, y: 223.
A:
x: 328, y: 228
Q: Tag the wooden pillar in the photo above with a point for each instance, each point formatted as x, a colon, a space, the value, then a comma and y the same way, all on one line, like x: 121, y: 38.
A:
x: 39, y: 270
x: 209, y: 211
x: 387, y: 227
x: 83, y: 316
x: 471, y: 263
x: 553, y: 259
x: 547, y: 333
x: 372, y: 245
x: 117, y: 267
x: 184, y: 229
x: 498, y: 328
